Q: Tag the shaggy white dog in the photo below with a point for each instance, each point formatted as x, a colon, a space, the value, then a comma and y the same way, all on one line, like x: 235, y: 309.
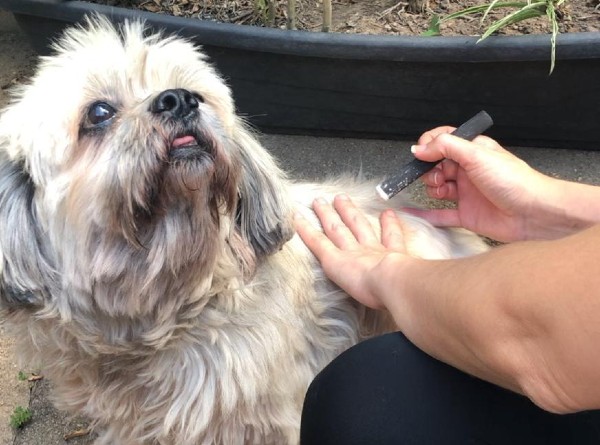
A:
x: 147, y: 257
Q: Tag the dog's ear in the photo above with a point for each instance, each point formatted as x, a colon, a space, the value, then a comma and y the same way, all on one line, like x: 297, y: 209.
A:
x: 25, y: 269
x: 264, y: 212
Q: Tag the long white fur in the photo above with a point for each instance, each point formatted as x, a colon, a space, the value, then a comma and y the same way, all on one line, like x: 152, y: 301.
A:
x: 200, y: 322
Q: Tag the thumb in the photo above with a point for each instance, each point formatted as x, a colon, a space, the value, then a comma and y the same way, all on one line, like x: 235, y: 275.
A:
x: 451, y: 147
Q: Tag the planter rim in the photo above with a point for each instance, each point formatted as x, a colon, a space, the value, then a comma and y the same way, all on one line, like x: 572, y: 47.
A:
x: 569, y: 46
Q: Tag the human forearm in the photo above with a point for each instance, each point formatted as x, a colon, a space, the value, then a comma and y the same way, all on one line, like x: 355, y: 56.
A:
x: 448, y: 320
x: 563, y: 208
x: 519, y: 316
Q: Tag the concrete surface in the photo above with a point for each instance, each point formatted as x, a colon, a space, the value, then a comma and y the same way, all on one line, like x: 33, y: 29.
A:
x: 306, y: 157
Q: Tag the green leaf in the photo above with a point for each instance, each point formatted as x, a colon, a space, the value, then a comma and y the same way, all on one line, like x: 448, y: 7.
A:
x: 434, y: 27
x: 489, y: 8
x: 528, y: 12
x: 481, y: 8
x: 551, y: 13
x: 525, y: 10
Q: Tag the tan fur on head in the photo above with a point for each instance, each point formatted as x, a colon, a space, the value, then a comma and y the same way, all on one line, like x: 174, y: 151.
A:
x: 147, y: 259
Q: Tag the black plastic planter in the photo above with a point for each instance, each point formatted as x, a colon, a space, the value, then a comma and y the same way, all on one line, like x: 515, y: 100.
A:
x: 381, y: 86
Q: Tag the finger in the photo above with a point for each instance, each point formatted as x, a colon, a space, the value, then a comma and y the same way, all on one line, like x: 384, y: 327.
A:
x: 428, y: 136
x: 482, y: 150
x: 314, y: 239
x: 355, y: 220
x: 333, y: 226
x: 392, y: 231
x: 449, y: 169
x: 462, y: 150
x: 437, y: 217
x: 451, y: 147
x: 434, y: 177
x: 447, y: 191
x: 446, y: 170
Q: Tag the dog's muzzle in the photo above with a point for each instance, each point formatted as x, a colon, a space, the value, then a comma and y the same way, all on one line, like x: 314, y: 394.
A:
x: 180, y: 107
x: 176, y: 104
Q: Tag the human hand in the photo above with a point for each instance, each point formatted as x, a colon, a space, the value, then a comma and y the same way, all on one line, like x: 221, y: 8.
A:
x: 497, y: 194
x: 350, y: 250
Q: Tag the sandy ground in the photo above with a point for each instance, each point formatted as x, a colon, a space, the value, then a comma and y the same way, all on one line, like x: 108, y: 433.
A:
x: 12, y: 391
x: 16, y: 61
x: 303, y: 156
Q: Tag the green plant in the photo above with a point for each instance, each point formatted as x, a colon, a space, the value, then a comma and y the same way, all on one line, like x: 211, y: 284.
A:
x: 20, y: 417
x: 22, y: 376
x: 266, y: 11
x: 522, y: 10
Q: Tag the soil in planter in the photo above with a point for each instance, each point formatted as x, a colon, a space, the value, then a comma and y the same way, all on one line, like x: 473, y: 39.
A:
x: 367, y: 16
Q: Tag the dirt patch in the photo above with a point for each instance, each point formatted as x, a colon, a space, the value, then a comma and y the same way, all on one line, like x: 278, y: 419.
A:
x: 13, y: 392
x: 17, y: 60
x: 368, y: 16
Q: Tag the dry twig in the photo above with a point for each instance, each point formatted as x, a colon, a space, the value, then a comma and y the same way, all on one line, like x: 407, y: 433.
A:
x: 77, y: 433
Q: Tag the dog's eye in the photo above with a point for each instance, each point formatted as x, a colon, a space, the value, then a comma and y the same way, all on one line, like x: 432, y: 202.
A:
x: 100, y: 112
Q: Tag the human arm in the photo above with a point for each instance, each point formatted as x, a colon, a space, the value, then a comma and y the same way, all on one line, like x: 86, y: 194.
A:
x: 498, y: 195
x: 525, y: 316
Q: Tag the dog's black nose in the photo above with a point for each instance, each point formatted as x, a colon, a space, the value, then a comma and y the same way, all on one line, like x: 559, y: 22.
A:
x: 177, y: 103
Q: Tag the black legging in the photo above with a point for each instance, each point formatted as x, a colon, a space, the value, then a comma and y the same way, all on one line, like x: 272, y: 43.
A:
x: 386, y: 391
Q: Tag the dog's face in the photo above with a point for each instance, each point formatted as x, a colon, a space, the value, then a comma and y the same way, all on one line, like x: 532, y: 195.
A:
x: 130, y: 177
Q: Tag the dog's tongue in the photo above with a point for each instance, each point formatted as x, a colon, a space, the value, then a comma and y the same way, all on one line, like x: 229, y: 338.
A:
x: 184, y: 140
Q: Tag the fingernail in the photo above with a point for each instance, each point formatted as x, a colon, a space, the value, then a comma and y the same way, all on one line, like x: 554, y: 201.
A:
x: 417, y: 148
x: 343, y: 197
x: 436, y: 178
x: 298, y: 216
x: 320, y: 201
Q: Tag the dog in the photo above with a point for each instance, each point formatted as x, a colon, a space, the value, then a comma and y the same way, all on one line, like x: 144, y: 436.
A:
x: 149, y: 264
